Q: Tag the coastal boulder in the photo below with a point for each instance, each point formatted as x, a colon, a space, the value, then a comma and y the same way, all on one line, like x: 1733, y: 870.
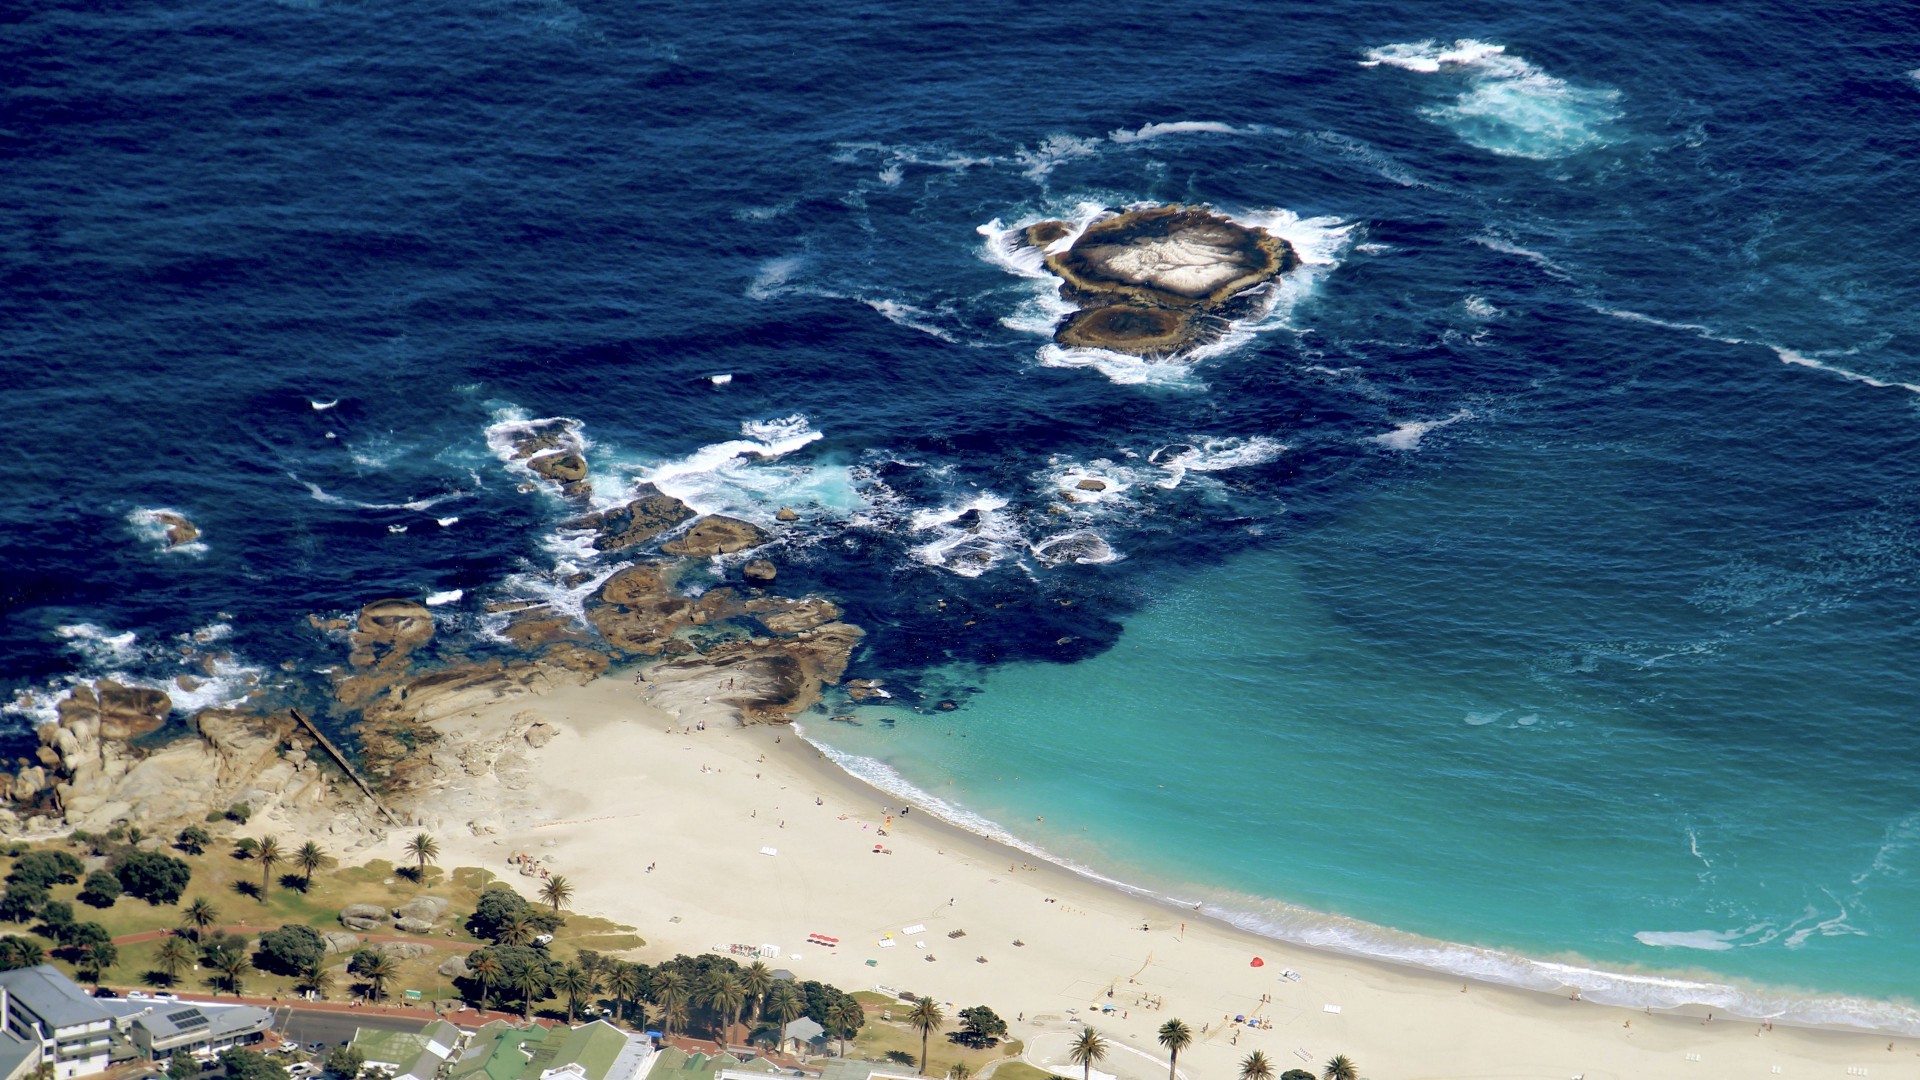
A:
x: 455, y: 967
x: 413, y: 926
x: 716, y: 535
x: 109, y: 710
x: 759, y: 571
x: 561, y: 468
x: 363, y: 917
x: 178, y: 529
x: 647, y: 516
x: 427, y: 909
x: 339, y: 941
x: 387, y: 630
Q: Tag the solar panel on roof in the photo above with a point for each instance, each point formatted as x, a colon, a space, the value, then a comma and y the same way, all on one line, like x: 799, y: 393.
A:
x: 187, y: 1018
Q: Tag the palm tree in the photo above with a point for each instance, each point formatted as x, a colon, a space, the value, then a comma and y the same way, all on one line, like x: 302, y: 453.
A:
x: 316, y: 978
x: 486, y: 968
x: 670, y: 990
x: 925, y: 1018
x: 576, y: 984
x: 531, y: 983
x: 309, y: 857
x: 424, y: 850
x: 1340, y: 1068
x: 1086, y: 1050
x: 960, y: 1071
x: 174, y: 954
x: 758, y: 979
x: 200, y: 915
x: 20, y: 952
x: 846, y: 1016
x: 556, y: 891
x: 377, y: 969
x: 623, y: 982
x: 786, y: 1004
x: 233, y: 966
x: 516, y: 931
x: 268, y: 854
x: 728, y: 995
x: 1256, y: 1067
x: 1176, y: 1036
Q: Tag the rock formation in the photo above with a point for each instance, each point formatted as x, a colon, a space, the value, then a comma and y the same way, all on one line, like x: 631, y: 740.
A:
x: 716, y: 535
x: 1158, y: 281
x: 647, y: 516
x: 178, y: 529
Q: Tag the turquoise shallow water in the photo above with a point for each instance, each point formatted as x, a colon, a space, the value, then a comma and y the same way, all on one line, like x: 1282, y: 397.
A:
x: 1646, y: 762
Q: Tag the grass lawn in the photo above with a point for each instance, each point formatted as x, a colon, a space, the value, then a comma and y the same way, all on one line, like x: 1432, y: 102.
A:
x: 882, y: 1036
x: 233, y: 886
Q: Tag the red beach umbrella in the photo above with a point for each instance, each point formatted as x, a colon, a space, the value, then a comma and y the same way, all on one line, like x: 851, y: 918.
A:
x: 1257, y: 962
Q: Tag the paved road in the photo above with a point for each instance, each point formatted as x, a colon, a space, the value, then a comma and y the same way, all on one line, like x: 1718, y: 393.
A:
x: 333, y: 1028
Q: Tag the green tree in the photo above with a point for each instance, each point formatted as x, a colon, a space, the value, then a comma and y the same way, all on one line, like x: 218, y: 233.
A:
x: 670, y: 991
x: 786, y: 1004
x: 153, y: 877
x: 1256, y: 1067
x: 377, y: 968
x: 193, y: 840
x: 1176, y: 1036
x: 576, y: 985
x: 845, y: 1018
x: 20, y: 952
x: 424, y: 850
x: 1086, y: 1051
x: 485, y: 968
x: 181, y: 1066
x: 95, y: 957
x: 174, y: 954
x: 309, y: 858
x: 1340, y: 1067
x: 556, y: 891
x: 499, y: 906
x: 623, y: 982
x: 345, y: 1062
x: 960, y: 1071
x: 101, y: 890
x: 531, y: 983
x: 233, y: 971
x: 315, y: 979
x: 199, y: 916
x: 757, y: 977
x: 1298, y: 1074
x: 289, y: 950
x: 47, y: 868
x: 249, y: 1065
x: 269, y: 855
x: 23, y: 901
x: 979, y: 1027
x: 516, y: 931
x: 727, y: 995
x: 925, y: 1018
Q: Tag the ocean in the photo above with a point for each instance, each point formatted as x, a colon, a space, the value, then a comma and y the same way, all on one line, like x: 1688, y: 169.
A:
x: 1527, y: 589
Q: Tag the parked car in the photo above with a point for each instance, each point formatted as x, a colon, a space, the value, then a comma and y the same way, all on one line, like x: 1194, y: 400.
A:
x: 543, y: 940
x: 105, y: 992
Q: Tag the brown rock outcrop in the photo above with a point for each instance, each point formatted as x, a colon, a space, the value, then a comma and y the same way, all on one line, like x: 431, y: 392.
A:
x: 759, y: 571
x: 1158, y: 281
x: 716, y: 535
x: 179, y: 529
x: 647, y: 516
x: 388, y: 630
x: 560, y: 467
x: 112, y: 711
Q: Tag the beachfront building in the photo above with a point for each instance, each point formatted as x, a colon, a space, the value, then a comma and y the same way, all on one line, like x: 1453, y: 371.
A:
x: 595, y: 1051
x: 40, y: 1005
x: 159, y: 1027
x: 18, y: 1056
x: 802, y: 1037
x: 673, y: 1063
x: 408, y: 1055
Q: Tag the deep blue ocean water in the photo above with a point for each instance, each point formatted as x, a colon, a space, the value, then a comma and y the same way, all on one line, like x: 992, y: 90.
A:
x: 1536, y: 574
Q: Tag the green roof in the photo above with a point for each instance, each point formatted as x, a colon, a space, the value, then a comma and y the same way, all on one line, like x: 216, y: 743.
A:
x: 396, y: 1047
x: 592, y: 1046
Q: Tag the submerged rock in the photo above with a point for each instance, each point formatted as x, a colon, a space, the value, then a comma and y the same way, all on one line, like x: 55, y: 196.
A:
x: 647, y: 516
x: 179, y: 529
x: 759, y: 571
x: 1158, y: 281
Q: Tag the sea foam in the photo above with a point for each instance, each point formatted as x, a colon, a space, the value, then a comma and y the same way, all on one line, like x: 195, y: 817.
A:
x: 1508, y: 106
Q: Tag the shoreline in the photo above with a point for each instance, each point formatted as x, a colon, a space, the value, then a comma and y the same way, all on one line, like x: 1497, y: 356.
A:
x: 734, y: 835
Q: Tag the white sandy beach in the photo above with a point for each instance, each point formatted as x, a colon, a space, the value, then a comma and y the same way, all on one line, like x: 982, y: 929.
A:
x: 669, y: 832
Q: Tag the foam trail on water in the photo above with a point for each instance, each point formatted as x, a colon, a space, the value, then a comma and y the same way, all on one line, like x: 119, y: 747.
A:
x: 745, y: 478
x: 1179, y: 127
x: 1407, y: 436
x: 440, y: 599
x: 1786, y: 356
x: 1509, y: 106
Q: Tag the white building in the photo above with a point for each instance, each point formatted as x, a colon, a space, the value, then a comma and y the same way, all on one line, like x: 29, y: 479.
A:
x: 39, y: 1004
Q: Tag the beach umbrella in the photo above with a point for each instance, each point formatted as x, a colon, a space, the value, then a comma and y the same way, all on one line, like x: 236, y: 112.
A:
x: 1257, y: 962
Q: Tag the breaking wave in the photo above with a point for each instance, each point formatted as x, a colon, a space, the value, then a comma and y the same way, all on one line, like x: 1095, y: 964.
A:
x: 1509, y: 106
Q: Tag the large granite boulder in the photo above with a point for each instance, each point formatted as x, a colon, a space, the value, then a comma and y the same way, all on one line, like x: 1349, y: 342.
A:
x: 109, y: 710
x: 387, y: 630
x: 716, y: 535
x: 363, y: 917
x: 427, y: 909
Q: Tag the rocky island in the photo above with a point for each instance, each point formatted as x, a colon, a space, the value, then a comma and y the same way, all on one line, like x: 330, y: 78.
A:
x: 1158, y: 281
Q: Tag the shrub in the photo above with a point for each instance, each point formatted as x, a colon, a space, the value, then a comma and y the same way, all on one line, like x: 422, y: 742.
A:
x: 47, y: 868
x: 102, y: 889
x: 153, y: 877
x: 239, y: 812
x: 249, y: 1065
x: 289, y: 950
x: 500, y: 905
x: 193, y: 839
x: 345, y: 1062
